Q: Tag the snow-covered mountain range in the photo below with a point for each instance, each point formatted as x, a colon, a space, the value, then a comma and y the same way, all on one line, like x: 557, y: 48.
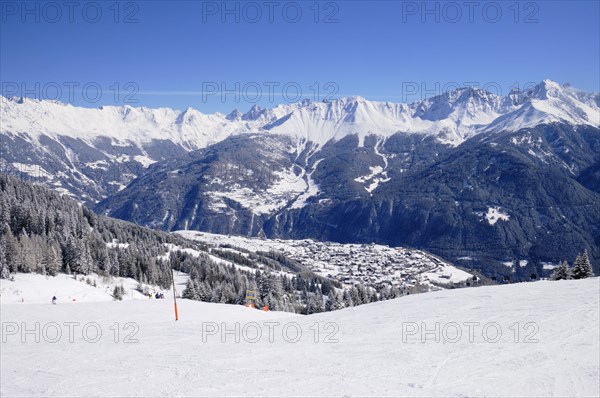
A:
x: 458, y: 174
x: 91, y: 153
x: 453, y: 116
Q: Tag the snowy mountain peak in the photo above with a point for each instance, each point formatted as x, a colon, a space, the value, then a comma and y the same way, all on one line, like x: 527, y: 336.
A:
x: 355, y: 99
x: 234, y: 115
x: 465, y: 94
x: 254, y: 113
x: 548, y: 102
x: 544, y: 90
x: 464, y: 106
x: 550, y: 84
x: 17, y: 100
x: 306, y: 102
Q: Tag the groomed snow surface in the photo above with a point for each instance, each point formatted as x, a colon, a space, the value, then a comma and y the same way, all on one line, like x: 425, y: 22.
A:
x: 375, y: 350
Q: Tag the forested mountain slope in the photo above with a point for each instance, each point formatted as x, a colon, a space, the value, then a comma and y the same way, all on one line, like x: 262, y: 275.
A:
x: 42, y: 231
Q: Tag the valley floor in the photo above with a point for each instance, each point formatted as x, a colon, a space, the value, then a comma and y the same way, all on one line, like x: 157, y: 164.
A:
x: 530, y: 339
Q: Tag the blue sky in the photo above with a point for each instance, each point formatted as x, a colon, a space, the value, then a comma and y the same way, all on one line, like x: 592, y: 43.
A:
x: 181, y: 54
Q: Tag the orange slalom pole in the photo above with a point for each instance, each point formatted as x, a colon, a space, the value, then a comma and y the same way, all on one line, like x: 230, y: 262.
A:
x: 174, y: 296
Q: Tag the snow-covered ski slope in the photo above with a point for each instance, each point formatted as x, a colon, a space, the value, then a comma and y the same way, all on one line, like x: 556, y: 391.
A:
x: 373, y: 350
x: 39, y: 289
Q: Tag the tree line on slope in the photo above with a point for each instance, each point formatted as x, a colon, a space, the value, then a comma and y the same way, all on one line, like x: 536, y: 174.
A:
x: 303, y: 292
x: 582, y: 268
x: 42, y: 231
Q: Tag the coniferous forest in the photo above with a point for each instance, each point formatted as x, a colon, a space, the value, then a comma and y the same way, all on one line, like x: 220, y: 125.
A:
x: 44, y: 232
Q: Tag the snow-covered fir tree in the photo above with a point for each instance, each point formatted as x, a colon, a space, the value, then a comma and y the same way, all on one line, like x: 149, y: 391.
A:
x: 4, y: 274
x: 562, y: 272
x: 118, y: 292
x: 582, y: 268
x: 190, y: 290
